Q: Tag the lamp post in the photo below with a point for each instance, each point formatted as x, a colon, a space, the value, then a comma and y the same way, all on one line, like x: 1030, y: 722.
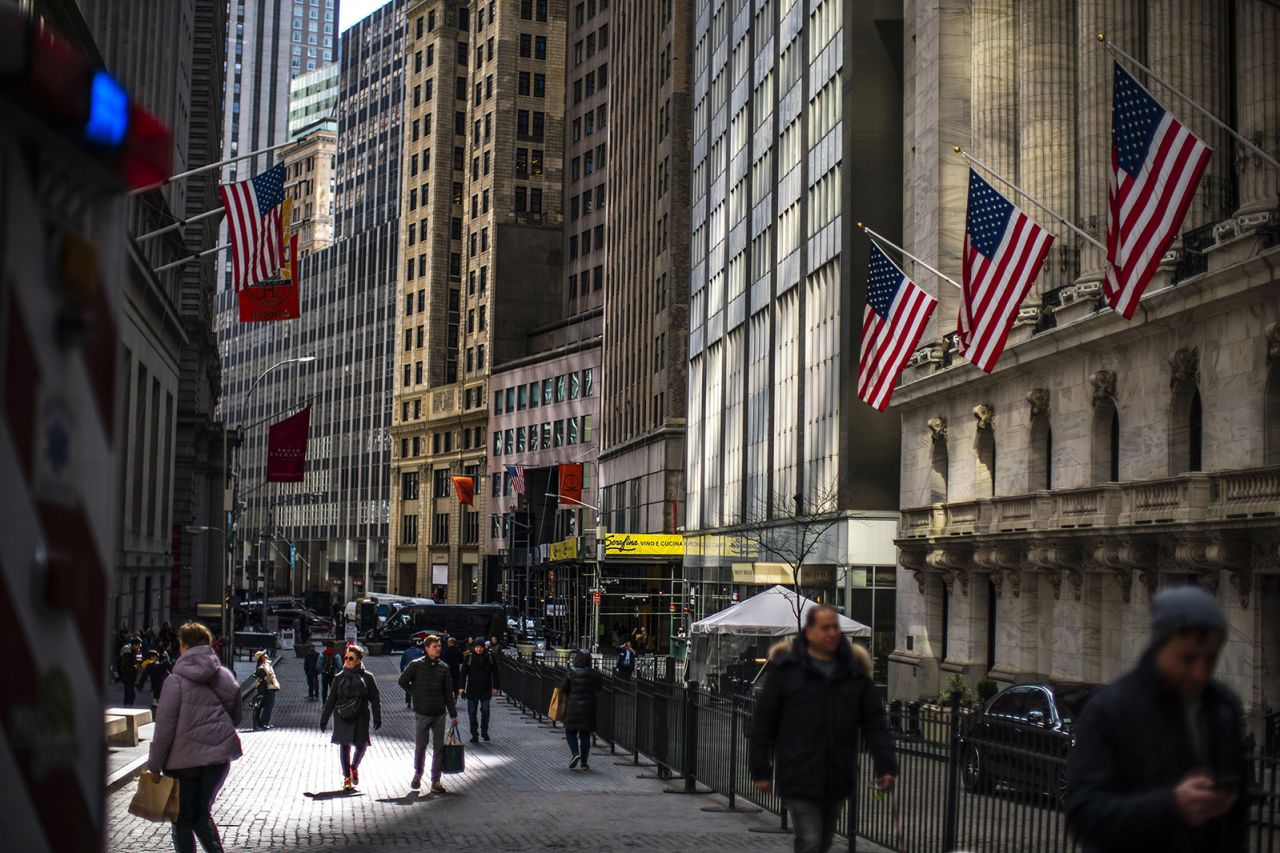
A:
x: 228, y: 615
x: 599, y: 562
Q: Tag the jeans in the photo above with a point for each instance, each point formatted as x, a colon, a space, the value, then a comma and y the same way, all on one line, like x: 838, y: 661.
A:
x: 484, y: 716
x: 197, y: 788
x: 347, y: 760
x: 130, y: 691
x: 432, y: 727
x: 264, y: 710
x: 313, y: 685
x: 579, y: 744
x: 325, y: 681
x: 815, y: 824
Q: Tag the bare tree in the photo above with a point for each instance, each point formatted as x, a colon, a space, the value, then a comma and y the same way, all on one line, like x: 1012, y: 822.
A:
x: 789, y: 529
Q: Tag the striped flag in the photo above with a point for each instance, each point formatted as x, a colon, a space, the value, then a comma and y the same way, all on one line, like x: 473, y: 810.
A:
x: 255, y: 221
x: 515, y: 473
x: 1003, y: 252
x: 1156, y: 165
x: 892, y: 322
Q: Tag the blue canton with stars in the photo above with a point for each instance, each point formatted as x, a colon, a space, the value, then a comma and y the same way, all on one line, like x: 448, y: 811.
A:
x: 269, y: 188
x: 1134, y: 118
x: 884, y: 280
x: 987, y: 217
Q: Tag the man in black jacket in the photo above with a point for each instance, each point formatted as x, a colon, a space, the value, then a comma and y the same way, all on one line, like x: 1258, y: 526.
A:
x: 1159, y: 761
x: 428, y: 681
x: 804, y: 733
x: 479, y: 683
x: 453, y: 657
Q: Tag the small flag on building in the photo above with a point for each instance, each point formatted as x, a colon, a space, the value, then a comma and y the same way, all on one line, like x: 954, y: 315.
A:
x: 287, y: 448
x: 1156, y: 165
x: 465, y: 487
x: 256, y: 226
x: 570, y: 483
x: 515, y: 473
x: 892, y: 323
x: 1003, y: 252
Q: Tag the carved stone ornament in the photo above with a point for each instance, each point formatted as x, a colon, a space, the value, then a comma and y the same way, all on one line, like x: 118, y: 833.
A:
x: 1125, y: 578
x: 1184, y: 366
x: 1038, y: 398
x: 938, y: 428
x: 1104, y: 386
x: 1273, y: 343
x: 1242, y: 580
x: 920, y: 578
x: 984, y: 413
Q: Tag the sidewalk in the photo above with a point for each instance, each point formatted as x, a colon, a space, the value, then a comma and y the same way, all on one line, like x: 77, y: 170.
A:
x: 517, y: 794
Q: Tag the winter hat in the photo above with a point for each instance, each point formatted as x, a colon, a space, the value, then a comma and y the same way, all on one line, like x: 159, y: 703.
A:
x: 1176, y: 608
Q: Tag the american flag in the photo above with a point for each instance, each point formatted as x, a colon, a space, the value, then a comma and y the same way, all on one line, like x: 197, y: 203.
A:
x: 1156, y: 165
x: 892, y: 322
x: 255, y: 222
x: 515, y: 473
x: 1003, y: 251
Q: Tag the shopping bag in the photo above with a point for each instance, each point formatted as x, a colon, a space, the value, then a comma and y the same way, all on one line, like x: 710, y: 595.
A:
x: 155, y: 799
x: 559, y: 703
x: 454, y: 757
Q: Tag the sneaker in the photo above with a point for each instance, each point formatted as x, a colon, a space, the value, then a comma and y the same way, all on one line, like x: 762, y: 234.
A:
x: 575, y: 761
x: 355, y: 775
x: 416, y: 783
x: 485, y: 738
x: 437, y: 788
x: 346, y: 783
x: 475, y: 739
x: 586, y: 766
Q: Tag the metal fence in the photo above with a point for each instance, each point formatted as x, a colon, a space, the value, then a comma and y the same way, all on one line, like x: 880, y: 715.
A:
x: 958, y: 788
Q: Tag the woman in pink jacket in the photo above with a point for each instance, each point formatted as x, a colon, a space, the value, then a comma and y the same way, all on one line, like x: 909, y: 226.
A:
x: 195, y: 738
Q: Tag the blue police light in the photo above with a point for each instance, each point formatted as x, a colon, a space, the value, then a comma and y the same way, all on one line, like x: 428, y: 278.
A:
x: 108, y: 111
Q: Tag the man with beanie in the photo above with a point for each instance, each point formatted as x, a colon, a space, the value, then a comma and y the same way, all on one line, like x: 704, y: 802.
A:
x: 1159, y: 760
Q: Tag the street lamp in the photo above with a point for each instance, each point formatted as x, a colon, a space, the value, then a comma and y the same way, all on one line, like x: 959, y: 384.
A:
x: 599, y: 562
x: 228, y: 615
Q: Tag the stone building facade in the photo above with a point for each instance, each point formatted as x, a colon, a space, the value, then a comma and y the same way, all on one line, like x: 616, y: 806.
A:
x: 310, y: 179
x: 1044, y: 504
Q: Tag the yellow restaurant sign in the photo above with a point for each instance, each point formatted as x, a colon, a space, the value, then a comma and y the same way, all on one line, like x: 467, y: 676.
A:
x: 643, y: 545
x: 565, y: 550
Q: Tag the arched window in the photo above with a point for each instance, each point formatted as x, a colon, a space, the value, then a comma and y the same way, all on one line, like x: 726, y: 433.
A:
x: 985, y: 470
x: 1186, y: 432
x: 1106, y: 442
x: 1271, y: 418
x: 938, y: 472
x: 1040, y: 457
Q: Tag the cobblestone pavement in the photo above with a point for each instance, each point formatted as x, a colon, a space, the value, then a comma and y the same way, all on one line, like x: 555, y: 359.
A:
x: 516, y: 794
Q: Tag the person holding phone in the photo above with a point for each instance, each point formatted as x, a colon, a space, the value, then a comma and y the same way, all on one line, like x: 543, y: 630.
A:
x: 1159, y: 762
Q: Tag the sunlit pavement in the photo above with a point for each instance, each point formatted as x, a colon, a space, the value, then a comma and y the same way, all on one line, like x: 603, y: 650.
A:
x: 517, y: 793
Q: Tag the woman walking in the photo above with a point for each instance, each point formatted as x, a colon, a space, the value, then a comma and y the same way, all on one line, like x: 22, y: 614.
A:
x: 195, y: 737
x: 268, y: 687
x: 353, y: 701
x: 581, y: 684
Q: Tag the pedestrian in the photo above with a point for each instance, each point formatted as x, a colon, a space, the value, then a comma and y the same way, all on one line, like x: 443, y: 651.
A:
x: 480, y: 684
x: 408, y: 656
x: 353, y: 703
x: 817, y: 695
x: 157, y: 674
x: 127, y: 670
x: 329, y: 665
x: 267, y: 687
x: 580, y: 685
x: 148, y: 659
x: 311, y: 668
x: 431, y: 686
x: 195, y: 737
x: 1159, y: 762
x: 626, y: 660
x: 453, y: 657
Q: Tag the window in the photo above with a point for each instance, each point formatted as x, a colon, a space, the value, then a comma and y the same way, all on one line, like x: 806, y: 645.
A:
x: 522, y: 162
x: 587, y: 383
x: 1040, y: 473
x: 523, y: 85
x: 985, y: 471
x: 539, y: 85
x: 560, y: 389
x: 1271, y: 417
x: 558, y: 434
x: 1186, y: 429
x: 526, y: 45
x: 440, y: 523
x: 540, y: 47
x: 521, y: 204
x: 442, y: 483
x: 546, y: 392
x: 938, y: 471
x: 409, y: 486
x: 1106, y: 442
x: 409, y: 530
x: 535, y: 200
x: 522, y: 123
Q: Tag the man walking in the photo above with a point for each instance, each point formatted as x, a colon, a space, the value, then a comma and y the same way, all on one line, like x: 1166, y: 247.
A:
x: 453, y: 657
x: 480, y: 684
x: 127, y: 670
x: 1159, y: 761
x: 428, y: 681
x: 408, y: 656
x: 311, y: 668
x: 626, y: 660
x: 804, y: 734
x: 328, y: 668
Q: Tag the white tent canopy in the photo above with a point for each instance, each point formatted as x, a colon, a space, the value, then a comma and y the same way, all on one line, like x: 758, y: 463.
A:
x: 771, y: 613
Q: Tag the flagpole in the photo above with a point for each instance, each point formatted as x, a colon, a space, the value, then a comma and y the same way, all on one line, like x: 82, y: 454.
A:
x: 1120, y: 52
x: 179, y: 224
x: 197, y: 170
x: 906, y: 254
x: 195, y: 257
x: 1028, y: 196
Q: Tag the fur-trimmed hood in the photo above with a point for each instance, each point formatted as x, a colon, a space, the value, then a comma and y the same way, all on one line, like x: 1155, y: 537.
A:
x: 795, y: 646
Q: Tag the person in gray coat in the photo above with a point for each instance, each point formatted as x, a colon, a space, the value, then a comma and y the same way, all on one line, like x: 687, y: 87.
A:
x: 353, y: 703
x: 195, y: 737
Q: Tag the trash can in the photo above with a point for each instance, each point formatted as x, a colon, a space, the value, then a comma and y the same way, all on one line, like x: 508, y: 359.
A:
x: 286, y: 639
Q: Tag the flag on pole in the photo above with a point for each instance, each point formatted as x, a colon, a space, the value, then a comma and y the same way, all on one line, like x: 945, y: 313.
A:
x: 287, y: 448
x: 570, y: 483
x: 465, y: 487
x: 515, y: 473
x: 274, y: 298
x: 1156, y: 165
x: 892, y: 323
x: 256, y: 226
x: 1003, y: 252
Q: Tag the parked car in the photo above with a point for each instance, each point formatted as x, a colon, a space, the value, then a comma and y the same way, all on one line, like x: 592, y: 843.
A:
x: 317, y: 624
x: 1020, y: 738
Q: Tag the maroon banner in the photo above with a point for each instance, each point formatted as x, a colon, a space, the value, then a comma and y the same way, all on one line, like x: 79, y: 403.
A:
x: 571, y: 483
x: 275, y: 298
x: 287, y: 448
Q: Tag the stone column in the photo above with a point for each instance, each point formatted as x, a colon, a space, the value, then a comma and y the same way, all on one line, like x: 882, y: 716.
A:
x: 1258, y: 101
x: 1121, y: 20
x: 994, y: 110
x: 1184, y: 46
x: 1047, y: 117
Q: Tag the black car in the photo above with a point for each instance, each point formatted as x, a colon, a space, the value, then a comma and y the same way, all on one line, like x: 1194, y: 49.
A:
x: 460, y: 620
x: 1020, y: 738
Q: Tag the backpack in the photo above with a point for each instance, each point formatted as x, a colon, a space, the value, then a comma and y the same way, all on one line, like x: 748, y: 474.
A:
x: 330, y: 664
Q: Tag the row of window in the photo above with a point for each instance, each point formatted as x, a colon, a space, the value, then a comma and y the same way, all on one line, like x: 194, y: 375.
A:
x: 582, y: 243
x: 590, y: 121
x: 586, y: 10
x: 587, y: 163
x: 588, y: 280
x: 592, y: 199
x: 591, y: 82
x: 586, y: 48
x: 569, y: 386
x: 440, y: 528
x: 558, y: 433
x: 441, y: 442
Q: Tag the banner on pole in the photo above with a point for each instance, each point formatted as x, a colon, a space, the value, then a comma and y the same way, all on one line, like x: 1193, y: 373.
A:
x: 287, y: 448
x: 275, y: 297
x: 571, y: 482
x: 466, y: 489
